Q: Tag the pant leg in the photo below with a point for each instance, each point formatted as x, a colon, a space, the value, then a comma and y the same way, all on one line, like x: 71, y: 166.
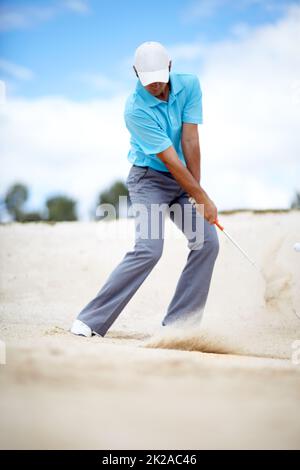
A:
x: 188, y: 302
x: 100, y: 313
x: 123, y: 282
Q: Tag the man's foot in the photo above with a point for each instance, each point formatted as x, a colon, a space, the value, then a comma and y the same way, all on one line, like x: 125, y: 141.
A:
x: 81, y: 329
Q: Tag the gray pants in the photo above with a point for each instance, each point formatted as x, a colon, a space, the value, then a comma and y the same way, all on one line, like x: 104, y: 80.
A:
x: 149, y: 187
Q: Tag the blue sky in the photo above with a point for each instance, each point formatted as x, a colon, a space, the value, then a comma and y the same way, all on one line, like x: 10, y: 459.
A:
x: 59, y: 41
x: 66, y: 67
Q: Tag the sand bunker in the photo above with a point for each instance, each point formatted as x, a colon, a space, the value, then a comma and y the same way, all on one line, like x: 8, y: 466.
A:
x: 227, y: 382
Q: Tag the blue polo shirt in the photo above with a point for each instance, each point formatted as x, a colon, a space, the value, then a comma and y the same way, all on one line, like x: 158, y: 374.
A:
x: 155, y: 125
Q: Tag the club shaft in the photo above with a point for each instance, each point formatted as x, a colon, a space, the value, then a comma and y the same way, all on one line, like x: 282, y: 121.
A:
x: 239, y: 248
x: 192, y: 200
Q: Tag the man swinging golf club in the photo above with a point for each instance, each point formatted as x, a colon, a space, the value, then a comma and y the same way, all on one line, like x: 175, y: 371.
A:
x: 162, y: 116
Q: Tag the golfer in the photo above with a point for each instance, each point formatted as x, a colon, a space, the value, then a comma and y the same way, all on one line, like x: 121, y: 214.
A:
x: 162, y: 116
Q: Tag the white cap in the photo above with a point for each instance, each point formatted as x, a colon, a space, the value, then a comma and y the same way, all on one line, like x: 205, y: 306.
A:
x: 151, y: 61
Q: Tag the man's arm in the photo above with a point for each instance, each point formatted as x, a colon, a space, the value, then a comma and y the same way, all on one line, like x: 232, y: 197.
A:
x: 188, y: 182
x: 191, y: 149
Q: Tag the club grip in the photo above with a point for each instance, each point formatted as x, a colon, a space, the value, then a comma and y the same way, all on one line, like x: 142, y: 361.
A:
x: 217, y: 223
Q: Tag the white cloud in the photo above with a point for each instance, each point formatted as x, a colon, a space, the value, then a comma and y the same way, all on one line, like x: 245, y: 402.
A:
x: 251, y: 113
x: 16, y: 71
x: 203, y: 9
x: 79, y: 6
x: 101, y: 83
x: 24, y: 17
x: 250, y: 140
x: 186, y: 52
x: 56, y: 145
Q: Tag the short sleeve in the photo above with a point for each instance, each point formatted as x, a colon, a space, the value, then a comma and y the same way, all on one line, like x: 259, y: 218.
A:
x: 192, y: 111
x: 151, y: 138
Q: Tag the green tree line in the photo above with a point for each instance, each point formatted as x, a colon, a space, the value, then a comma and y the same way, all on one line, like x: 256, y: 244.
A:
x: 56, y: 208
x: 61, y: 208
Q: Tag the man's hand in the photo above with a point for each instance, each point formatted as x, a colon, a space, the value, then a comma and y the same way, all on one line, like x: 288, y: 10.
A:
x: 187, y: 181
x: 210, y: 210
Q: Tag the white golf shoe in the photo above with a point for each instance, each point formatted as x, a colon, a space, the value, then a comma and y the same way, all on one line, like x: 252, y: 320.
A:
x: 81, y: 329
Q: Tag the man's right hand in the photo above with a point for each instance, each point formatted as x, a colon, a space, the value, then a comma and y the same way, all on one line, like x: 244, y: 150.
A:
x: 210, y: 210
x: 187, y: 181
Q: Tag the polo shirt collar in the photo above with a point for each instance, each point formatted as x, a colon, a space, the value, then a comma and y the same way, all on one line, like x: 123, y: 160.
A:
x: 176, y: 87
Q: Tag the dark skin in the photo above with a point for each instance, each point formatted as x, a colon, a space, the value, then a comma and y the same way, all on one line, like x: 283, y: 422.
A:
x: 187, y: 177
x: 158, y: 89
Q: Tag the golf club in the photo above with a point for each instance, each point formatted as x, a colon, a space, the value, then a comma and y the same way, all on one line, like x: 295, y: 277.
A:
x: 217, y: 223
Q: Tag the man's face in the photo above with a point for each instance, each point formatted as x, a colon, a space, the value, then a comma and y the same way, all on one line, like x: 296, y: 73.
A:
x: 156, y: 88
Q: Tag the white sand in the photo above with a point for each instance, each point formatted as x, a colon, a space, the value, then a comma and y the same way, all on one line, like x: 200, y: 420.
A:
x: 231, y: 383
